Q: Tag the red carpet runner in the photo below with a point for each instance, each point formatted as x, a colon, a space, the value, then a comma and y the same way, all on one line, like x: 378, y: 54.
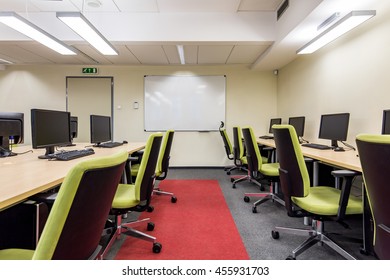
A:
x: 198, y: 227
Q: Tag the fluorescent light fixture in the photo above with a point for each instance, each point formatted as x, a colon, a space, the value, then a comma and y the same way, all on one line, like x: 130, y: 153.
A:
x: 22, y: 25
x: 3, y: 61
x: 344, y: 25
x: 79, y: 24
x: 180, y: 50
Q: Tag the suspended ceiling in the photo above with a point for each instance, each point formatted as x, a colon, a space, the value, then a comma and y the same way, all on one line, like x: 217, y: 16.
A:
x: 146, y: 32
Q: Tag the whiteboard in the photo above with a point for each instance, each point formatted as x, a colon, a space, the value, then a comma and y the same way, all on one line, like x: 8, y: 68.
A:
x: 187, y: 103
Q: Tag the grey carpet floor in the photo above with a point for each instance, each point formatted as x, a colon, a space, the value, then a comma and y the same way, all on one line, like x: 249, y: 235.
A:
x: 255, y: 228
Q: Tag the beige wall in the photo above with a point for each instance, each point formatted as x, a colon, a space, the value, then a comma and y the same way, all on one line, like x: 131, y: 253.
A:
x: 349, y: 75
x: 250, y: 100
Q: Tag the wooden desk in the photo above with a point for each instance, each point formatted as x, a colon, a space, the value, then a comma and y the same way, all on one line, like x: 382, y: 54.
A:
x: 24, y: 175
x: 347, y: 160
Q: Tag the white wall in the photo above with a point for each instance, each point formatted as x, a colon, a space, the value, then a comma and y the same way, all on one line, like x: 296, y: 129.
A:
x: 250, y: 100
x: 349, y: 75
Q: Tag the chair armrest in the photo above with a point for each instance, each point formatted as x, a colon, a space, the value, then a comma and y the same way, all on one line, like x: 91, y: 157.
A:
x: 347, y: 176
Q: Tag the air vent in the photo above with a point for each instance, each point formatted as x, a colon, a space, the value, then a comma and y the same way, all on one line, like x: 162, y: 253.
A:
x: 283, y: 7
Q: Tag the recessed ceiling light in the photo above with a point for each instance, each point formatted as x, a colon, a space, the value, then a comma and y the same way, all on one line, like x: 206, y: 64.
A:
x: 93, y: 3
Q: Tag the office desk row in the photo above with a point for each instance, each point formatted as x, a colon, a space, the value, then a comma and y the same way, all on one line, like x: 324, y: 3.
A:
x: 24, y: 175
x: 345, y: 160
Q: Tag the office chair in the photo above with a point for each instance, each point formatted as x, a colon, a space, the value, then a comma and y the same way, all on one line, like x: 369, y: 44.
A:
x: 77, y: 218
x: 374, y: 154
x: 228, y: 148
x: 259, y: 170
x: 162, y: 164
x: 320, y: 203
x: 240, y: 160
x: 135, y: 197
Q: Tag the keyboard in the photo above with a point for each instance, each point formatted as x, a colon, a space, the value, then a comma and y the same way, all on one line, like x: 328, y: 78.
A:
x: 266, y: 137
x: 69, y: 155
x: 110, y: 144
x: 316, y: 146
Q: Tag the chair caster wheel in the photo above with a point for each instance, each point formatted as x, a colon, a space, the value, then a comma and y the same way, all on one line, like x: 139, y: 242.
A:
x: 234, y: 186
x: 157, y: 248
x: 150, y: 226
x: 150, y: 209
x: 228, y: 173
x: 262, y: 188
x: 254, y: 209
x: 275, y: 234
x: 231, y: 180
x: 173, y: 199
x: 246, y: 199
x: 290, y: 258
x: 364, y: 252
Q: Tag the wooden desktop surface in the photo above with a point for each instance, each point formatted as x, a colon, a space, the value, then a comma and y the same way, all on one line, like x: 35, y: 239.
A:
x: 24, y: 175
x: 347, y: 160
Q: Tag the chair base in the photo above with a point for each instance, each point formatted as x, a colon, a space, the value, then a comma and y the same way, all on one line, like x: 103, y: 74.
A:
x: 316, y: 235
x: 271, y: 195
x: 160, y: 192
x: 127, y: 228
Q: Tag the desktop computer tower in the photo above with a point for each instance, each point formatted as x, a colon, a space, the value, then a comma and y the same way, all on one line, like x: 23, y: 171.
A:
x: 21, y: 225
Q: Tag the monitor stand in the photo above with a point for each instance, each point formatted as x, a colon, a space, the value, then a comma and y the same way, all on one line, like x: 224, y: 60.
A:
x: 334, y: 144
x: 49, y: 150
x: 6, y: 153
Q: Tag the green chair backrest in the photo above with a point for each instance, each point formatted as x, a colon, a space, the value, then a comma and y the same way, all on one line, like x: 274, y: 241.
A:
x: 226, y: 142
x: 77, y: 218
x: 291, y: 159
x: 374, y: 155
x: 164, y: 155
x: 238, y: 147
x: 252, y: 149
x: 144, y: 181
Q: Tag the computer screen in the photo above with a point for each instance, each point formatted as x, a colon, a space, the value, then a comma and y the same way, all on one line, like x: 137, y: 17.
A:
x: 299, y: 124
x: 386, y: 122
x: 11, y: 131
x: 274, y: 121
x: 49, y: 129
x: 334, y: 127
x: 73, y: 127
x: 100, y: 129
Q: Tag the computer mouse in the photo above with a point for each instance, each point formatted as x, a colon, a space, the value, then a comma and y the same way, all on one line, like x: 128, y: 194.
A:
x: 125, y: 142
x: 339, y: 149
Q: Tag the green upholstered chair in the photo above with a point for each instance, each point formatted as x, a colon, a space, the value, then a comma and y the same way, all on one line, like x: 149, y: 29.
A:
x: 76, y: 221
x: 162, y: 166
x: 239, y: 157
x: 321, y: 203
x: 259, y: 171
x: 228, y: 149
x: 374, y: 154
x: 136, y: 197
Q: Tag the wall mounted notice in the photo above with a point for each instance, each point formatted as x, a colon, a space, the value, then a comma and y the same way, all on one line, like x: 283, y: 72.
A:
x: 186, y: 103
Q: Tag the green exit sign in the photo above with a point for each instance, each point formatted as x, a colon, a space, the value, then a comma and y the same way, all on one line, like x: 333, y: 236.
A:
x: 90, y: 70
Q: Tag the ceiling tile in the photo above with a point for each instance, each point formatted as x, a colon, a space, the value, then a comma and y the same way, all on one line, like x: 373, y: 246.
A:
x: 259, y: 5
x: 214, y: 54
x: 149, y: 54
x: 246, y: 54
x: 143, y: 6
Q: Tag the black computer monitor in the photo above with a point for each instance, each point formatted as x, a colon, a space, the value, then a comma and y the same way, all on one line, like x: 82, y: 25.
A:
x: 73, y: 127
x: 334, y: 127
x: 386, y: 122
x: 299, y: 124
x: 49, y: 129
x: 11, y: 131
x: 100, y: 129
x: 272, y: 122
